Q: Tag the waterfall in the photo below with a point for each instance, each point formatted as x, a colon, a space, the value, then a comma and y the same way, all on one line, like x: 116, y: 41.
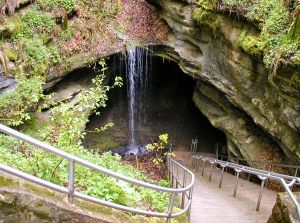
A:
x: 138, y: 61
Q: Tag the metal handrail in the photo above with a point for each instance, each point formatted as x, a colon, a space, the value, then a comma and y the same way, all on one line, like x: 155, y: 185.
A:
x: 70, y: 190
x: 269, y: 163
x: 286, y: 180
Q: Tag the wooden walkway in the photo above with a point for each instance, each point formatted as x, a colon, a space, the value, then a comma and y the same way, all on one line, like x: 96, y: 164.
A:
x: 214, y: 205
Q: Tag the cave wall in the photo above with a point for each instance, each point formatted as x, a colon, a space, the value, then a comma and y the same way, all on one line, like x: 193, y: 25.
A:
x: 260, y: 117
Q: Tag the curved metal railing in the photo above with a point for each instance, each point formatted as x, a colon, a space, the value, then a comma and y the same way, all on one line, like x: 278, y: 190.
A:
x: 285, y: 180
x: 267, y: 164
x: 178, y: 173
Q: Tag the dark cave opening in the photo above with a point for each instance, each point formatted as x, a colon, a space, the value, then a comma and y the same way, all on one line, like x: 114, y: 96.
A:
x: 171, y: 110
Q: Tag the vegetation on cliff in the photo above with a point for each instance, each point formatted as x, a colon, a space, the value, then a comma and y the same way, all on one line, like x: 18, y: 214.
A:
x: 41, y: 40
x: 276, y: 38
x: 46, y: 39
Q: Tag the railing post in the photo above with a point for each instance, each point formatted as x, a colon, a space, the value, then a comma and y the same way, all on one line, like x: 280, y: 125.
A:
x: 172, y: 174
x: 71, y: 181
x: 168, y: 166
x: 249, y: 173
x: 193, y: 162
x: 270, y: 168
x: 170, y: 209
x: 190, y: 196
x: 177, y: 178
x: 197, y: 163
x: 236, y: 181
x: 211, y: 170
x: 222, y: 175
x: 183, y: 194
x: 203, y: 166
x: 263, y: 179
x: 296, y: 173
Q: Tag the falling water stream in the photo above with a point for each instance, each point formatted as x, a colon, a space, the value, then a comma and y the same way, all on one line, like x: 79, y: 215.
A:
x: 138, y: 62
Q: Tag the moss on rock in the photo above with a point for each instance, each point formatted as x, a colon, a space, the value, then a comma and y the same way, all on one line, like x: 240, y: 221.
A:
x: 252, y: 45
x: 207, y: 19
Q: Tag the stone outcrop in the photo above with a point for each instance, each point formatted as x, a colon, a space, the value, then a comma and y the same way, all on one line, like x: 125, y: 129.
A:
x: 284, y: 210
x: 260, y: 115
x: 7, y: 84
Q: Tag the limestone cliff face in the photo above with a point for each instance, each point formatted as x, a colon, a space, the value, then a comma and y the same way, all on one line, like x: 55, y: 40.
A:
x: 260, y: 116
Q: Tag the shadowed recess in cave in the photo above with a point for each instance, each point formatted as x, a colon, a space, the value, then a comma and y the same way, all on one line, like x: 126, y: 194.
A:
x: 169, y: 109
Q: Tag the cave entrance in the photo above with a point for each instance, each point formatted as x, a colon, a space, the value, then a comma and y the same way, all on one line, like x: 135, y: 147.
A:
x: 171, y: 110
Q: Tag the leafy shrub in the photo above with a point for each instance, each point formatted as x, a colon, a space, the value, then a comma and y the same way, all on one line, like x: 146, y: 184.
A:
x: 15, y: 106
x: 39, y: 56
x: 65, y: 131
x: 67, y: 5
x: 159, y: 149
x: 34, y: 22
x: 273, y: 15
x: 54, y: 169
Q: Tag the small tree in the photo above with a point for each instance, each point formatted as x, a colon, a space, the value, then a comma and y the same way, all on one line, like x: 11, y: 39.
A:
x: 159, y: 149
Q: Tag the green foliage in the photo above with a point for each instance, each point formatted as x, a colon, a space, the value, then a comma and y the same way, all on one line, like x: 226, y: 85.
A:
x: 65, y: 131
x: 54, y: 169
x: 278, y: 40
x: 108, y: 8
x: 159, y: 149
x: 39, y: 56
x: 32, y: 42
x: 11, y: 54
x: 10, y: 153
x: 10, y: 26
x: 207, y: 5
x: 33, y: 23
x: 235, y: 2
x: 296, y: 78
x: 111, y: 7
x: 295, y: 28
x: 65, y: 22
x: 252, y: 45
x: 15, y: 106
x: 67, y: 5
x: 272, y: 14
x: 70, y: 119
x: 206, y: 18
